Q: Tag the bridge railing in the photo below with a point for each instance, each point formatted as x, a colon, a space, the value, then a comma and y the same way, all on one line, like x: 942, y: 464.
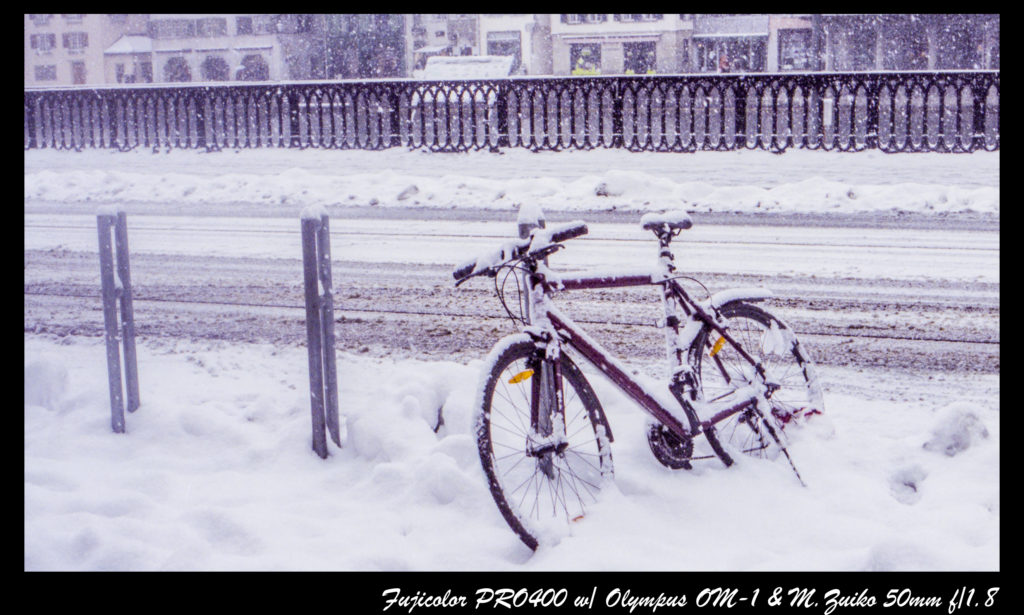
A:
x: 946, y: 111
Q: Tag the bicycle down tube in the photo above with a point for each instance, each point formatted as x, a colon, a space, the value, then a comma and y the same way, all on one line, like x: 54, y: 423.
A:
x: 595, y: 354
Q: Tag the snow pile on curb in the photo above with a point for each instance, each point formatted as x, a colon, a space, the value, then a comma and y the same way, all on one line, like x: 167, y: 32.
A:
x: 612, y: 189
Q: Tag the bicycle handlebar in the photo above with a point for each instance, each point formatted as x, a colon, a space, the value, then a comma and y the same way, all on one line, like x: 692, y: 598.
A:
x: 518, y: 249
x: 569, y: 231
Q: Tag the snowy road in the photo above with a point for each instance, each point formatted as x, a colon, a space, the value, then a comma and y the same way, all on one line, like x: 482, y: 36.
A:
x: 924, y: 298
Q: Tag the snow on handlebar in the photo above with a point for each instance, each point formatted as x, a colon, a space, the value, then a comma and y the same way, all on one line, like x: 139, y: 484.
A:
x: 539, y: 239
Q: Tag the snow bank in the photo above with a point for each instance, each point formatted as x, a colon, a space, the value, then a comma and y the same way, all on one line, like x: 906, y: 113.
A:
x: 215, y: 472
x: 956, y: 429
x: 608, y: 182
x: 46, y: 382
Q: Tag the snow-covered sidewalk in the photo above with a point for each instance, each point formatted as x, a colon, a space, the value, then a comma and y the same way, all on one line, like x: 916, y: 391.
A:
x: 216, y: 472
x: 743, y: 181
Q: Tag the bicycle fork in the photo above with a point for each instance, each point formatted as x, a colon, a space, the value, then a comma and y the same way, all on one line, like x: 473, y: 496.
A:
x: 547, y: 438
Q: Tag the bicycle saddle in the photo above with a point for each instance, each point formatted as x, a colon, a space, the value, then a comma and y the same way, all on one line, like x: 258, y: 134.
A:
x: 669, y: 220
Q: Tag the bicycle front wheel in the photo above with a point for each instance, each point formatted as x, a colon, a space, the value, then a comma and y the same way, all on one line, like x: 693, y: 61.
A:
x: 795, y: 394
x: 542, y: 484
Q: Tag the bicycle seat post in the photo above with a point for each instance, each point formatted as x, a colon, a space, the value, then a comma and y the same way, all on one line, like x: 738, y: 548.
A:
x: 665, y: 256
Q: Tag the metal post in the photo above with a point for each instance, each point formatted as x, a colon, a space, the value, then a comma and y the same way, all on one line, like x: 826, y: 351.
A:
x: 327, y: 319
x: 131, y: 371
x: 323, y: 381
x: 109, y: 292
x: 313, y: 335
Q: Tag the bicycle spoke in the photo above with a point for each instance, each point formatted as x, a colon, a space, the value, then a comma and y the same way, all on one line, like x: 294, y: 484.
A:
x: 584, y: 460
x: 526, y: 488
x: 760, y: 432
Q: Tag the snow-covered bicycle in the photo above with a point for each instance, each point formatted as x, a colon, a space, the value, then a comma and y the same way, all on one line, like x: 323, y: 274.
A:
x: 738, y: 377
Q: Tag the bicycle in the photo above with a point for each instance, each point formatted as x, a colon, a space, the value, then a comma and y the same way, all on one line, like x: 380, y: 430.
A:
x: 543, y: 437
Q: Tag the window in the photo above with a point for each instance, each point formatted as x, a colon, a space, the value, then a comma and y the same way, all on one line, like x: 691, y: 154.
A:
x: 119, y: 72
x: 40, y: 19
x: 212, y: 26
x: 46, y: 73
x: 859, y: 49
x: 78, y: 72
x: 905, y: 47
x: 215, y: 69
x: 959, y: 46
x: 176, y: 69
x: 795, y: 50
x: 117, y: 18
x: 172, y: 28
x: 304, y: 24
x: 243, y: 25
x: 577, y: 18
x: 638, y: 58
x: 585, y: 59
x: 76, y: 42
x: 584, y: 17
x: 638, y: 17
x: 254, y: 68
x: 43, y: 43
x: 74, y: 18
x: 264, y: 24
x: 743, y: 55
x: 731, y: 55
x: 146, y: 68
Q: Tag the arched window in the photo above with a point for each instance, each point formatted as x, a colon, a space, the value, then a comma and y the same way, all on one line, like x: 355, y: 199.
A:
x: 176, y: 69
x: 215, y: 69
x: 254, y: 68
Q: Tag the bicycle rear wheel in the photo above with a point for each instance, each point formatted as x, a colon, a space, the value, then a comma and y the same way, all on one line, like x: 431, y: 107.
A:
x: 758, y: 432
x: 541, y: 484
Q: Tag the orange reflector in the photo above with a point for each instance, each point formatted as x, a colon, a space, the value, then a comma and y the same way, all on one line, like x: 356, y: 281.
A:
x: 718, y: 346
x: 521, y: 376
x: 579, y: 518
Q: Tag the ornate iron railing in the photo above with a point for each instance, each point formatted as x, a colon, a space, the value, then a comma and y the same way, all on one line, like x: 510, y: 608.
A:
x: 891, y: 111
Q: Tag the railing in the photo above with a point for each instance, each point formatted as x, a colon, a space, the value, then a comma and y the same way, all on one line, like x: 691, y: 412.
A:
x: 891, y: 111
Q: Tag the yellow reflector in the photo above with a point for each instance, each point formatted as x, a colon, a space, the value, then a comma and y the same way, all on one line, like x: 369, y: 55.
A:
x: 521, y: 376
x: 718, y: 346
x: 578, y: 518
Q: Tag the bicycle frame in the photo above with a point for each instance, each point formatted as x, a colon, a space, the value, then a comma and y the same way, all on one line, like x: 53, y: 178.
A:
x: 679, y: 335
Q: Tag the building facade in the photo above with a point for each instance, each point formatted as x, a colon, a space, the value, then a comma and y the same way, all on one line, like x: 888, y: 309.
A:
x: 615, y: 44
x: 89, y: 49
x: 224, y: 47
x: 367, y: 46
x: 525, y: 37
x: 908, y: 42
x: 65, y: 49
x: 441, y: 34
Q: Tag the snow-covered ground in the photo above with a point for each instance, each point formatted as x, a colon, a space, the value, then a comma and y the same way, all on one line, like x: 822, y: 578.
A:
x: 216, y: 472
